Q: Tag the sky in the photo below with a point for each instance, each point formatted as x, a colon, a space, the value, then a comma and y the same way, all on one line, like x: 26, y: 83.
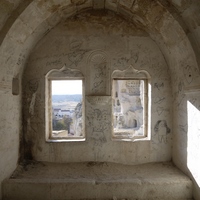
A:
x: 66, y: 87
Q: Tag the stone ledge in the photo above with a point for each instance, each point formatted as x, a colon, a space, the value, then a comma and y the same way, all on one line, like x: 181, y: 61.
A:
x: 94, y: 180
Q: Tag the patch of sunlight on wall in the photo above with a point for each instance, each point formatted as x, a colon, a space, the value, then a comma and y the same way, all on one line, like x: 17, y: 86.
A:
x: 193, y: 148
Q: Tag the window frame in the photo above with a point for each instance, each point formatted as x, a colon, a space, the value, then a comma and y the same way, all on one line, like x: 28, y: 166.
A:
x: 133, y: 74
x: 62, y: 74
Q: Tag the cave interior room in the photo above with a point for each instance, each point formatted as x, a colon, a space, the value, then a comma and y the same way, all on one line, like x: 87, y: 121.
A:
x: 100, y: 99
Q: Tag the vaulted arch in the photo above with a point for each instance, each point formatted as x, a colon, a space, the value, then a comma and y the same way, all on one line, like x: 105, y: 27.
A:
x: 170, y: 25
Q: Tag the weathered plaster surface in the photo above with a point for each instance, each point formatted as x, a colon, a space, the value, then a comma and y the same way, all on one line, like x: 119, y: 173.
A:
x: 74, y: 42
x: 98, y: 180
x: 9, y: 133
x: 173, y: 25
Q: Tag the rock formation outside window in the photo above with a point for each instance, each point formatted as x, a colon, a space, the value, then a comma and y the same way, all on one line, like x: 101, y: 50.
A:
x: 128, y: 108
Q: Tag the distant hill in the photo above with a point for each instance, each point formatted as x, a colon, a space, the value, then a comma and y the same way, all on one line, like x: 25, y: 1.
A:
x: 66, y: 98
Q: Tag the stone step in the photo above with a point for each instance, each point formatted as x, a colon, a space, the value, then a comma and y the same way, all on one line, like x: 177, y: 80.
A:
x: 97, y: 180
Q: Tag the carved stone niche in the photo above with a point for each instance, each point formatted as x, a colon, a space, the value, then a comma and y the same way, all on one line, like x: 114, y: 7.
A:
x: 99, y: 74
x: 67, y: 122
x: 130, y: 106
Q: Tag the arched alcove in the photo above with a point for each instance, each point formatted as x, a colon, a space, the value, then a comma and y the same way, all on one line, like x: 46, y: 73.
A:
x: 167, y: 35
x: 90, y: 43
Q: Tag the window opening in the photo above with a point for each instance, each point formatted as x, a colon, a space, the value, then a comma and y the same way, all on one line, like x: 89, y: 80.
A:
x: 130, y: 91
x: 64, y: 105
x: 66, y: 108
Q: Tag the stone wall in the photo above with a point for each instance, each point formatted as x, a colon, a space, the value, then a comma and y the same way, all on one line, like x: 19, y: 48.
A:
x: 173, y: 25
x: 79, y: 43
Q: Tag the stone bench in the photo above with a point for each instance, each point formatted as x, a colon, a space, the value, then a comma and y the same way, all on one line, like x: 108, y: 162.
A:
x: 97, y: 180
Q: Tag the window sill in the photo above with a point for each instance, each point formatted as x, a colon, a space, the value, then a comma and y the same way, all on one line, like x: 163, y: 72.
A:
x: 133, y: 139
x: 56, y: 140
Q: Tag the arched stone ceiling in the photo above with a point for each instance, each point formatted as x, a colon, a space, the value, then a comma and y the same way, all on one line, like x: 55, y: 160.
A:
x: 9, y: 12
x: 40, y: 16
x: 6, y: 8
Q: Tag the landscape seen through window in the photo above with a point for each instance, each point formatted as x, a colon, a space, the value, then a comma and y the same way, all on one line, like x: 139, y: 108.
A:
x: 66, y: 108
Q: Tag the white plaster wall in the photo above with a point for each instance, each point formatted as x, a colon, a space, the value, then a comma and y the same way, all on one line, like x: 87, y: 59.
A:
x: 186, y: 94
x: 71, y: 43
x: 186, y: 125
x: 186, y: 154
x: 185, y: 85
x: 193, y: 147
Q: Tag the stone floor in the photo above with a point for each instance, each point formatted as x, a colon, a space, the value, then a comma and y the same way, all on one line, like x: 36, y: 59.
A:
x: 93, y: 180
